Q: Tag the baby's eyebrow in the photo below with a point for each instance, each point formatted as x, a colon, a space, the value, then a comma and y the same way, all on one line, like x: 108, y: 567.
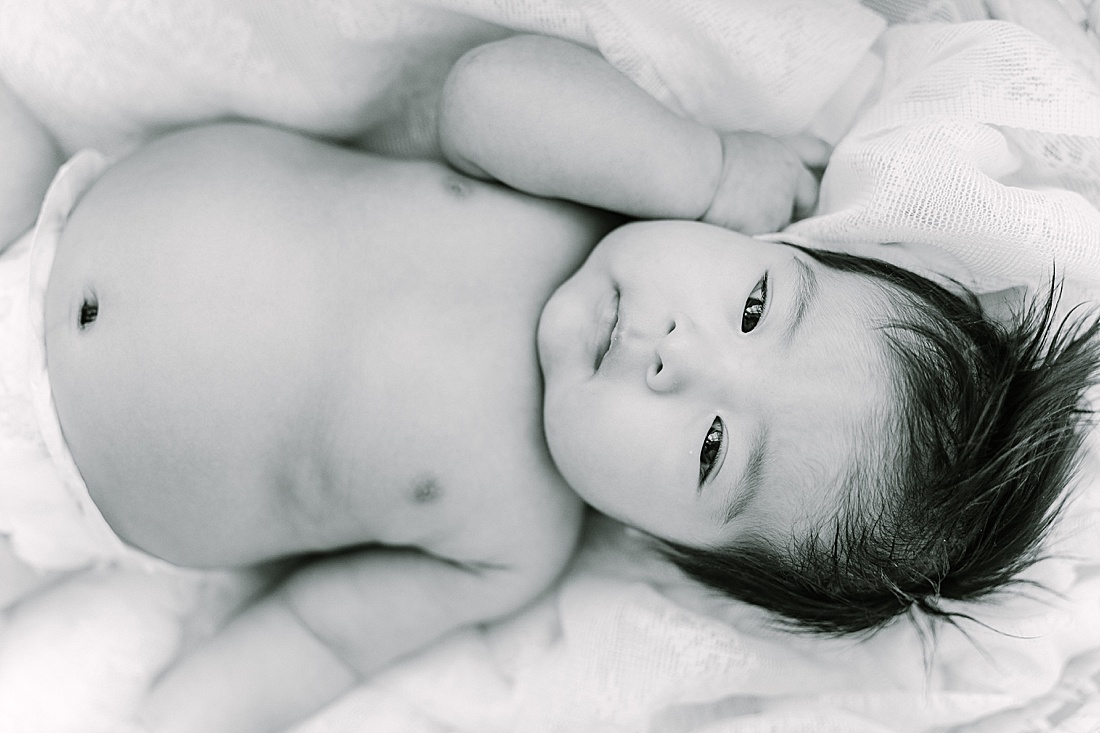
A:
x: 748, y: 486
x: 805, y: 292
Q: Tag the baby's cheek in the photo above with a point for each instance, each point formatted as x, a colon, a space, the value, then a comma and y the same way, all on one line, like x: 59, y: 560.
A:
x: 573, y: 446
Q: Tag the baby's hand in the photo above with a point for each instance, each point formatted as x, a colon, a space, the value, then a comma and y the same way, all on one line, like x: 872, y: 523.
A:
x: 765, y: 183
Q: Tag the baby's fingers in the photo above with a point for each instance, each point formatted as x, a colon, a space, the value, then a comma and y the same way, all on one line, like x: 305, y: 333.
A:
x: 805, y: 197
x: 813, y: 152
x: 763, y: 184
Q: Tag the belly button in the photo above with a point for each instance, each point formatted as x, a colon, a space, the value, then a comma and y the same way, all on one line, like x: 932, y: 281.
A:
x: 426, y: 490
x: 89, y: 311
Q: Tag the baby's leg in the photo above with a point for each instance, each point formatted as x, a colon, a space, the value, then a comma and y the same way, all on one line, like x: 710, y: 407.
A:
x: 29, y: 157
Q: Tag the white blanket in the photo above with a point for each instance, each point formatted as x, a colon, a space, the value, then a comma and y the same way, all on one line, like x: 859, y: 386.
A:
x: 623, y: 644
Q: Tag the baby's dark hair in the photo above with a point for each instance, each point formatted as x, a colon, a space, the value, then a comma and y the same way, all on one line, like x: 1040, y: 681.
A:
x: 989, y: 428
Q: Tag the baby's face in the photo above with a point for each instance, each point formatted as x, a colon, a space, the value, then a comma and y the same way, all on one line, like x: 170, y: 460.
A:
x: 700, y: 383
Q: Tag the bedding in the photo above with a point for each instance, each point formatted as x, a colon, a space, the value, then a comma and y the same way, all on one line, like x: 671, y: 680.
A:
x: 963, y: 145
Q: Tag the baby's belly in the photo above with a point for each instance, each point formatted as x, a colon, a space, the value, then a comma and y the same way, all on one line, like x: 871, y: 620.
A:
x: 185, y: 353
x: 218, y: 430
x: 183, y: 415
x: 263, y: 346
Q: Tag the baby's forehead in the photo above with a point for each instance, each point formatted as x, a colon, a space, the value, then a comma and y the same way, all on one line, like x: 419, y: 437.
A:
x: 834, y: 435
x: 812, y: 488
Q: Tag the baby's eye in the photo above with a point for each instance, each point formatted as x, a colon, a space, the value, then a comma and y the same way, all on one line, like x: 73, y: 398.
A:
x: 712, y: 448
x: 754, y: 306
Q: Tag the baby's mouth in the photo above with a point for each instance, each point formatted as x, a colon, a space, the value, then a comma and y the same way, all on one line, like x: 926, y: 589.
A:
x: 608, y: 322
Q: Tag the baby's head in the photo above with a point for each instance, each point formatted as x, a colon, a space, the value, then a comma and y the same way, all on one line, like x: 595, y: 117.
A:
x: 832, y: 438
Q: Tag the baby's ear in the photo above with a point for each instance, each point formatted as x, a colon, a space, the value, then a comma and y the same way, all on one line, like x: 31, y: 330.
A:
x: 1001, y: 305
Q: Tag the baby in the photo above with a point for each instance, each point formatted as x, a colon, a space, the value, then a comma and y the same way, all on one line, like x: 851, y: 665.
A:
x: 262, y: 346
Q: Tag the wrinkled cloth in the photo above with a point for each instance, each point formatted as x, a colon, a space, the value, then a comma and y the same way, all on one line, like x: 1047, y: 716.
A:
x: 981, y: 143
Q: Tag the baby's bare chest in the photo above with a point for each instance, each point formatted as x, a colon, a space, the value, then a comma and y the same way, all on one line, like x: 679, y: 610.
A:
x: 439, y: 440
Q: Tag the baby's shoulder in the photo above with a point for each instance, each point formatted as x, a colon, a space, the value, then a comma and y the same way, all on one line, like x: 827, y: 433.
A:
x: 467, y: 572
x: 17, y: 578
x: 529, y: 528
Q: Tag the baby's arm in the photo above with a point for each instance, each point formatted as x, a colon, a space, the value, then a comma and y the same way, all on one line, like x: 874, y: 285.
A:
x: 324, y: 629
x: 29, y: 157
x: 555, y: 119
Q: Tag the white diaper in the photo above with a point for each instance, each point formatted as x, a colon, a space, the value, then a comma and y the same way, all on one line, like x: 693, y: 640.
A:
x: 46, y: 513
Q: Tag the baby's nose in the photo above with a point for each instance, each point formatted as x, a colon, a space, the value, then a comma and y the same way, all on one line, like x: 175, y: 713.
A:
x: 684, y: 357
